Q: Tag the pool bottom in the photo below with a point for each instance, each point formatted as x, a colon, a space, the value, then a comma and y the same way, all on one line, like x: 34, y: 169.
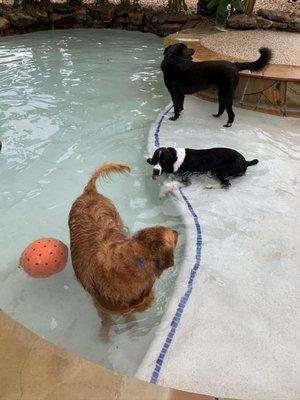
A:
x: 231, y: 320
x: 71, y: 100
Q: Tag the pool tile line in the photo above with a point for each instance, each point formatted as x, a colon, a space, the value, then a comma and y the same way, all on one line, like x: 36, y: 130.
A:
x: 157, y: 130
x: 184, y: 299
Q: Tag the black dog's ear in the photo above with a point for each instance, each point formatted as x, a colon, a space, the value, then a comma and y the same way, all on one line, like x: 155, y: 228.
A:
x: 167, y: 49
x: 149, y: 161
x: 174, y: 49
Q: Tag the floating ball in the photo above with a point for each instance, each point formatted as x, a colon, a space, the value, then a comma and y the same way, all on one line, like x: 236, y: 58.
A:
x: 44, y: 257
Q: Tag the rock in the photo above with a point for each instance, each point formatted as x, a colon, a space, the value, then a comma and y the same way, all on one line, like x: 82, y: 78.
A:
x: 280, y: 25
x: 62, y: 20
x: 294, y: 24
x: 295, y: 14
x: 122, y: 20
x: 4, y: 24
x: 99, y: 25
x: 168, y: 28
x: 40, y: 14
x: 274, y: 15
x: 59, y: 8
x: 103, y: 13
x: 264, y: 23
x: 75, y: 3
x: 83, y: 17
x: 136, y: 18
x: 163, y: 18
x: 241, y: 21
x: 192, y: 23
x: 21, y: 20
x: 148, y: 15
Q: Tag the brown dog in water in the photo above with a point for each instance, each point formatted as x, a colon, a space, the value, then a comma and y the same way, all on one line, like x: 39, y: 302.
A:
x: 118, y: 271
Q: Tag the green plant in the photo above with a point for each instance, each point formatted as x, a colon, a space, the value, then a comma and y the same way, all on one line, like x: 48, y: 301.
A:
x: 249, y: 6
x: 22, y: 3
x: 177, y: 5
x: 226, y: 7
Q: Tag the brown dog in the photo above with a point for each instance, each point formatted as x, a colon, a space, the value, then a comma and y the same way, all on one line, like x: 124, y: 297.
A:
x: 116, y: 270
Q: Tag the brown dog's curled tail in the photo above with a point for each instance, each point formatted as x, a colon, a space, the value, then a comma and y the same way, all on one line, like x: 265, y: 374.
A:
x: 104, y: 171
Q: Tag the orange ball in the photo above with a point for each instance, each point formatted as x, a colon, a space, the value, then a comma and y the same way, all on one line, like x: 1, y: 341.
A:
x: 44, y: 257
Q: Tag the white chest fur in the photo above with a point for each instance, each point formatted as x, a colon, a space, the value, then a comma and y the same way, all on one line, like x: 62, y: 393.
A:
x: 180, y: 158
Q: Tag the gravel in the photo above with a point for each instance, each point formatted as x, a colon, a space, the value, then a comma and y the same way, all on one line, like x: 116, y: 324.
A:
x: 245, y: 45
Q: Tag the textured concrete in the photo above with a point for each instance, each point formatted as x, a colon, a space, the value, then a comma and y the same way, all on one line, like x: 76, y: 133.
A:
x: 33, y: 369
x: 245, y: 45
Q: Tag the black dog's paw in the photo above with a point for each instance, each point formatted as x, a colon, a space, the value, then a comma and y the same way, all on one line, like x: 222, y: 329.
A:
x: 174, y: 118
x: 228, y: 125
x: 225, y: 185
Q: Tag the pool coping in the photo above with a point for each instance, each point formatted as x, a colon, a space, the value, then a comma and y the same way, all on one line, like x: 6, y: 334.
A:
x: 33, y: 368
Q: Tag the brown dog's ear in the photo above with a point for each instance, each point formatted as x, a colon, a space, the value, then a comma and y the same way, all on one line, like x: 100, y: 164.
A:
x: 160, y: 242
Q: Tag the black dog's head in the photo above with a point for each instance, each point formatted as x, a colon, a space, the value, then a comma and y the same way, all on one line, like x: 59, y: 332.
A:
x: 179, y: 50
x: 163, y: 160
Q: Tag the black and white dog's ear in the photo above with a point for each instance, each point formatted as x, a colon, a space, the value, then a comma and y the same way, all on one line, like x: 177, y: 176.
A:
x: 172, y: 154
x: 149, y: 161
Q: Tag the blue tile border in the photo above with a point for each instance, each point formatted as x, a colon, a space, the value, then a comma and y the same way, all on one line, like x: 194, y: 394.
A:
x: 157, y: 130
x: 184, y: 299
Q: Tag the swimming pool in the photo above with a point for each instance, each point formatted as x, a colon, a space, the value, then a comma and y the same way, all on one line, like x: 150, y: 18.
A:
x: 71, y: 100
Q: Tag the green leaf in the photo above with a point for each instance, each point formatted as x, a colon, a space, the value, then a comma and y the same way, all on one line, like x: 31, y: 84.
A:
x: 213, y: 3
x: 184, y: 6
x: 222, y: 13
x: 238, y: 5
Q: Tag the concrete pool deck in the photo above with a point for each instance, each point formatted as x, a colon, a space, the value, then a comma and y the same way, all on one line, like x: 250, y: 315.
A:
x: 232, y: 326
x: 34, y: 369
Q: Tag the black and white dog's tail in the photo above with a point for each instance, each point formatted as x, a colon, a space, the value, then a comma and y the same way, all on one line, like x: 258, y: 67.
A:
x: 252, y: 162
x: 264, y: 59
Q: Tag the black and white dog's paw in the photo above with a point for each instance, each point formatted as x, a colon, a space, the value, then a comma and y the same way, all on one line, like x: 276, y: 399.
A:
x: 170, y: 187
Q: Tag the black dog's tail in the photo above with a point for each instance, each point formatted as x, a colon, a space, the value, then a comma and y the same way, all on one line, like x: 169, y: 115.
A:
x: 252, y: 162
x: 264, y: 59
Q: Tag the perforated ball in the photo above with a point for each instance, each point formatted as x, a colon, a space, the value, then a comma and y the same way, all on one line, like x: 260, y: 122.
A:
x: 44, y: 257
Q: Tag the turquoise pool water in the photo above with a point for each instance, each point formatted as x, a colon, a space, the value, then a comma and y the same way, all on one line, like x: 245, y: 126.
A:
x: 69, y: 101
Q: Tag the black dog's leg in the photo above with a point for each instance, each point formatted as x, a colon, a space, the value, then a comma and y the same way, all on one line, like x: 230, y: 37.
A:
x: 177, y: 98
x: 181, y: 102
x: 224, y: 182
x: 221, y: 104
x: 186, y: 179
x: 228, y: 100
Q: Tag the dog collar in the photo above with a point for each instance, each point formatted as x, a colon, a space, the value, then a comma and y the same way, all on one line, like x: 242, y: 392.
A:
x: 140, y: 262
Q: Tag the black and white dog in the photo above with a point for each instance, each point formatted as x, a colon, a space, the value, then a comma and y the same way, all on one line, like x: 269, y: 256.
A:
x: 220, y: 162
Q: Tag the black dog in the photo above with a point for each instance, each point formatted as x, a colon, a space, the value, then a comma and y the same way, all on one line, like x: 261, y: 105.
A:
x: 183, y: 76
x: 219, y: 161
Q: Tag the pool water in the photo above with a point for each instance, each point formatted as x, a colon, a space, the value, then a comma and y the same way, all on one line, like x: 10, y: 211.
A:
x: 71, y: 100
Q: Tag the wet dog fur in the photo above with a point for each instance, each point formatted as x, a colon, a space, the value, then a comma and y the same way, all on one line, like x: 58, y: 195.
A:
x: 116, y: 270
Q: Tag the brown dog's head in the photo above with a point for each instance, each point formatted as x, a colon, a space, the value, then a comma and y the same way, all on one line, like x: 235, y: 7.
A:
x: 160, y: 242
x: 179, y: 50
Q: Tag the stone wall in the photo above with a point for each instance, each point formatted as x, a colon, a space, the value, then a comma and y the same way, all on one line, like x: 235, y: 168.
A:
x: 15, y: 20
x: 266, y: 19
